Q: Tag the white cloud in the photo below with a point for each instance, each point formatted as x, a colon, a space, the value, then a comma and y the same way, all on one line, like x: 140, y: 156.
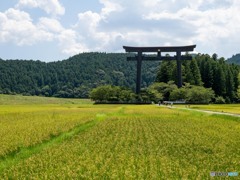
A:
x: 110, y: 7
x: 88, y: 26
x: 52, y: 7
x: 68, y: 43
x: 50, y: 25
x: 208, y: 25
x: 88, y: 21
x: 159, y: 22
x: 17, y: 27
x: 17, y: 15
x: 213, y: 25
x: 121, y: 22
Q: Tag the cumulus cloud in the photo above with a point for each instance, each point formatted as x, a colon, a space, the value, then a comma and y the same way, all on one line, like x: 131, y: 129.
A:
x: 209, y: 24
x: 109, y: 7
x: 69, y: 42
x: 213, y: 25
x: 17, y: 27
x: 88, y: 26
x: 52, y: 7
x: 88, y: 21
x: 123, y: 22
x: 50, y: 25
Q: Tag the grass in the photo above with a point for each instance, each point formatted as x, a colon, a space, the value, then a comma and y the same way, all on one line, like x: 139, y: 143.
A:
x: 118, y: 142
x: 23, y: 100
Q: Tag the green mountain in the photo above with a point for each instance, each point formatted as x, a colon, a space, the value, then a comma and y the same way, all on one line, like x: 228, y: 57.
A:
x: 234, y: 59
x: 76, y: 76
x: 73, y: 77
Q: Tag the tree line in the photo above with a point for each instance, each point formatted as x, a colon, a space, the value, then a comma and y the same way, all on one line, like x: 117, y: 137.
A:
x: 74, y: 77
x: 207, y: 71
x: 234, y: 59
x: 157, y: 92
x: 78, y: 75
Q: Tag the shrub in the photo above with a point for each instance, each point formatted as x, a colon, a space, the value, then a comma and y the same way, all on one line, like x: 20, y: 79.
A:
x: 220, y: 100
x: 192, y: 94
x: 178, y: 94
x: 199, y: 94
x: 108, y: 93
x: 162, y: 90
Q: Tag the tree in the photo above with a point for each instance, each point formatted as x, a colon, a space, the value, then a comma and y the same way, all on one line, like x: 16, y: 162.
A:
x: 108, y: 93
x: 46, y: 91
x: 100, y: 93
x: 81, y: 92
x: 126, y: 95
x: 230, y: 85
x: 165, y: 72
x: 207, y: 74
x: 192, y: 94
x: 196, y: 76
x: 163, y: 88
x: 188, y: 73
x: 153, y: 94
x: 220, y: 100
x: 178, y: 94
x: 219, y: 85
x: 199, y: 94
x: 238, y: 93
x: 214, y: 56
x: 238, y: 90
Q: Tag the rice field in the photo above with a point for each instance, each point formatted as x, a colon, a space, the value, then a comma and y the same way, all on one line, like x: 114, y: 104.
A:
x: 85, y: 141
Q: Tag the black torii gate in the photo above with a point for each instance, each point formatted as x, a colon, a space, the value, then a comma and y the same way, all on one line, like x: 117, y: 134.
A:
x: 140, y: 57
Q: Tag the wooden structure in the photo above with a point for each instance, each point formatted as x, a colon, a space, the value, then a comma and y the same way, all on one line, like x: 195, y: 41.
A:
x: 140, y: 57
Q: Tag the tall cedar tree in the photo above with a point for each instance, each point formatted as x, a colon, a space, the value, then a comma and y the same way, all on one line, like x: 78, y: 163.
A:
x: 210, y: 72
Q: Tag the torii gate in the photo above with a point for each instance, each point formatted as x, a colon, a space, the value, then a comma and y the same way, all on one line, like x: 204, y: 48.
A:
x: 139, y: 58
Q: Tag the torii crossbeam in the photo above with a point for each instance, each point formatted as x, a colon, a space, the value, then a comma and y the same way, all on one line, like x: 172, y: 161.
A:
x: 140, y: 57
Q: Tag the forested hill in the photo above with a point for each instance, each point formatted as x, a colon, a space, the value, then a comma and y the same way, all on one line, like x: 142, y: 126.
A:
x: 73, y: 77
x: 76, y: 76
x: 234, y: 59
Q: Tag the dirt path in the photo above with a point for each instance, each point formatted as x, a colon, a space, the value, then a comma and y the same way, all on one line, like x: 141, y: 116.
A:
x: 205, y: 111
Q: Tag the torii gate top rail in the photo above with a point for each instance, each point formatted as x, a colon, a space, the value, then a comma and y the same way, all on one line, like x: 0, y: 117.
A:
x: 139, y: 58
x: 160, y: 48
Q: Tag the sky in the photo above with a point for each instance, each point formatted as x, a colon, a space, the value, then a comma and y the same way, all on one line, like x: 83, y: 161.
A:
x: 51, y: 30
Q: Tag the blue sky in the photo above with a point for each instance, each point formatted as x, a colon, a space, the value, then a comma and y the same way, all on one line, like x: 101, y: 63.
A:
x: 50, y: 30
